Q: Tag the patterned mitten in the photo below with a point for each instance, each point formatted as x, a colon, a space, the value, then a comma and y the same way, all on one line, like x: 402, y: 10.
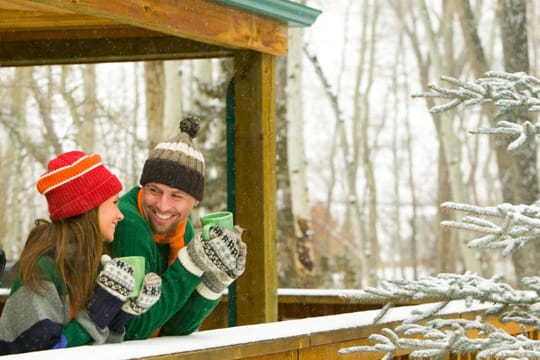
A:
x: 149, y: 295
x: 219, y: 253
x: 218, y: 261
x: 217, y: 281
x: 114, y: 283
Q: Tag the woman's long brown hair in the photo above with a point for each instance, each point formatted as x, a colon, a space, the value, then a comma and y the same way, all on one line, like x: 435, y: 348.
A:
x: 75, y: 244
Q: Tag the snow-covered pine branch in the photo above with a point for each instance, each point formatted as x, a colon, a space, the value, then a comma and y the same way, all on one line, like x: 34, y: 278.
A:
x: 518, y: 224
x: 510, y: 92
x: 441, y: 337
x: 504, y: 226
x: 449, y: 286
x: 515, y: 91
x: 523, y: 133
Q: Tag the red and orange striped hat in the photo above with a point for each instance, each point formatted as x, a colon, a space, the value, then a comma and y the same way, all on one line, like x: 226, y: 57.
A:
x: 75, y: 183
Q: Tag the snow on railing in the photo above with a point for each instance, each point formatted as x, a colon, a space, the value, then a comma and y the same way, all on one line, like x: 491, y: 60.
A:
x: 283, y: 336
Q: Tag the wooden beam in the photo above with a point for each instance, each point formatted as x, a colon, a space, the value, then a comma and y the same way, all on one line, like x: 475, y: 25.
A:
x: 90, y: 50
x: 201, y: 20
x: 255, y: 142
x: 31, y: 19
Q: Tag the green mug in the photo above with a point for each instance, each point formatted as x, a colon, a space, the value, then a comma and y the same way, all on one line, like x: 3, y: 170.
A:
x: 138, y: 265
x: 221, y: 218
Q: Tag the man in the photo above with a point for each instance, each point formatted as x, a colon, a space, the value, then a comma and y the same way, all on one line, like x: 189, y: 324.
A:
x: 194, y: 272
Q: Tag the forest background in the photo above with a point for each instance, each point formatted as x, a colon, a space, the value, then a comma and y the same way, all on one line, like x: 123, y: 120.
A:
x: 362, y: 166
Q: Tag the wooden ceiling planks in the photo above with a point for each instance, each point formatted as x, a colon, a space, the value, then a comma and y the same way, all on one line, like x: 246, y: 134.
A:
x: 66, y: 31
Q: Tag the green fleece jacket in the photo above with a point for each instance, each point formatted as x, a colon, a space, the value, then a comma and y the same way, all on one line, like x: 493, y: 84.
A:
x: 32, y: 321
x: 180, y: 309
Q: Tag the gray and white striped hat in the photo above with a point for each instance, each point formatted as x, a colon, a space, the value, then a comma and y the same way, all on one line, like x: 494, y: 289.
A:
x: 178, y: 162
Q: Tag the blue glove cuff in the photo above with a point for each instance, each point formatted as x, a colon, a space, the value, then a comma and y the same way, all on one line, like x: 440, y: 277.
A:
x: 103, y: 306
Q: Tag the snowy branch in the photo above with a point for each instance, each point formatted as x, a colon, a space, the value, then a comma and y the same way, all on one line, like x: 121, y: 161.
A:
x: 441, y: 337
x: 524, y: 133
x: 518, y: 225
x: 514, y: 92
x: 510, y: 92
x: 449, y: 286
x: 506, y: 226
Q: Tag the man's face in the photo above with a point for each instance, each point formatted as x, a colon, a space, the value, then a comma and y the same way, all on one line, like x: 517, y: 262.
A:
x: 165, y: 207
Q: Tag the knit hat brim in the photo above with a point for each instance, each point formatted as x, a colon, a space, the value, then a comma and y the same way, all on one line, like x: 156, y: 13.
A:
x: 75, y: 183
x: 63, y: 206
x: 173, y: 174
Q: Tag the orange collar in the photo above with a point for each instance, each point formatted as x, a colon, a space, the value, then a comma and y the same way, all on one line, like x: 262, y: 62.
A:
x: 175, y: 239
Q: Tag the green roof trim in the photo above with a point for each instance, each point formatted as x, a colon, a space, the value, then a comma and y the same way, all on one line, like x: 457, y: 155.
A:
x: 294, y: 14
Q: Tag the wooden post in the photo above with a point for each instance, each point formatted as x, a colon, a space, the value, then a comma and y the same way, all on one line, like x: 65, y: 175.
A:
x: 255, y: 137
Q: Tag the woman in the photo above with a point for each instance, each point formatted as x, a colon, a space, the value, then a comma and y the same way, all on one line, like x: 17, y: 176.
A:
x: 58, y: 299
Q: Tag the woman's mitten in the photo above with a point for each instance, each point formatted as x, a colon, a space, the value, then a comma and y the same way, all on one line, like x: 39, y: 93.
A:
x: 149, y: 295
x: 113, y: 285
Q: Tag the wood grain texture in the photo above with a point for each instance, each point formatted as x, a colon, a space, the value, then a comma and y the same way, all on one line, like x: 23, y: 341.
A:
x: 200, y: 20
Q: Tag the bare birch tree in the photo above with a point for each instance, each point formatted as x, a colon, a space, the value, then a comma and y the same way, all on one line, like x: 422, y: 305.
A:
x: 173, y: 97
x: 301, y: 210
x: 449, y: 139
x: 13, y: 165
x: 86, y: 134
x: 154, y: 82
x: 520, y: 180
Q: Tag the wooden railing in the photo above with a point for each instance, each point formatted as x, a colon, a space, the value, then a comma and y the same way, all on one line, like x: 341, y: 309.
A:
x: 304, y: 303
x: 315, y: 338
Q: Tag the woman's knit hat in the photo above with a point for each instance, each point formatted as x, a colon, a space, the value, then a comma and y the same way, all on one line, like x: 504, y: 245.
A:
x: 75, y: 183
x: 178, y: 162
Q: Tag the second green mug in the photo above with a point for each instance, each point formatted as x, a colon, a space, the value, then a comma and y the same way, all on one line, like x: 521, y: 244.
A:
x: 220, y: 218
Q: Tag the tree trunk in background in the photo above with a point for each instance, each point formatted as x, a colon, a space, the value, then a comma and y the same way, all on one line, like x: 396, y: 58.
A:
x: 477, y: 60
x: 287, y: 274
x: 411, y: 33
x: 301, y: 210
x: 398, y: 260
x: 85, y: 137
x: 66, y: 86
x: 449, y: 141
x: 449, y: 247
x: 345, y: 263
x: 354, y: 213
x: 4, y: 176
x: 173, y: 98
x: 209, y: 92
x: 9, y: 166
x: 43, y: 98
x: 133, y: 166
x: 14, y: 186
x: 520, y: 183
x: 202, y: 78
x: 351, y: 264
x: 155, y: 86
x: 369, y: 137
x: 414, y: 201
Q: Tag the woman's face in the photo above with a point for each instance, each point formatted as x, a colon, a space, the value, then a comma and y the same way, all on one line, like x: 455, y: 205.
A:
x: 109, y: 215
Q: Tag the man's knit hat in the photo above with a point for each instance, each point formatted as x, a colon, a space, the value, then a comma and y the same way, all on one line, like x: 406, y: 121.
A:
x: 178, y: 162
x: 75, y: 183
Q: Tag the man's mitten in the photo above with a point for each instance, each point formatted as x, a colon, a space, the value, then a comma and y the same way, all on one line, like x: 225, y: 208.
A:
x: 113, y: 285
x: 217, y: 281
x: 149, y: 295
x: 219, y: 253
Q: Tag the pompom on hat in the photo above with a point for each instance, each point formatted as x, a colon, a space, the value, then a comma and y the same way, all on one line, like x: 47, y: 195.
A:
x: 75, y: 183
x: 178, y: 162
